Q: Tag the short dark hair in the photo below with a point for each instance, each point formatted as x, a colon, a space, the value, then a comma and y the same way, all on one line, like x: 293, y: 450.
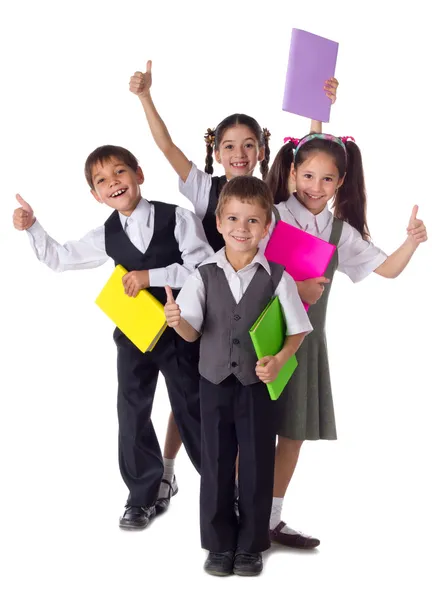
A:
x: 104, y: 153
x: 249, y: 189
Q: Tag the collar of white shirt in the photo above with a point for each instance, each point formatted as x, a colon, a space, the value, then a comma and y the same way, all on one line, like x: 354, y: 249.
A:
x: 305, y: 218
x: 221, y: 260
x: 141, y: 214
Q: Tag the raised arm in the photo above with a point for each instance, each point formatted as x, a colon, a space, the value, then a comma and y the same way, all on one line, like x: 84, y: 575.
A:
x: 330, y: 88
x: 86, y: 253
x: 396, y: 262
x: 140, y: 84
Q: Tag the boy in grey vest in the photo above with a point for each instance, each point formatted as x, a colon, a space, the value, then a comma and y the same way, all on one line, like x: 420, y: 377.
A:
x: 220, y: 301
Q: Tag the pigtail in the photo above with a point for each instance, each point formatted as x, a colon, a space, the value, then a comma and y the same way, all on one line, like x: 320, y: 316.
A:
x: 278, y: 176
x: 350, y: 199
x: 264, y: 165
x: 209, y: 138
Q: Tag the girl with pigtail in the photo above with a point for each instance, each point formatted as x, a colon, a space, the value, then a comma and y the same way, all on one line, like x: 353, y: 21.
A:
x: 238, y: 143
x: 305, y: 176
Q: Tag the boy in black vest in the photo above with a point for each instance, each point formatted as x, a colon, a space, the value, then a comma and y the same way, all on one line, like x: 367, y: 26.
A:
x: 220, y: 301
x: 158, y: 244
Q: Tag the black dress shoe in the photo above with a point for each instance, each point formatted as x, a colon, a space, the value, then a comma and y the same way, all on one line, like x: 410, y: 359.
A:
x: 137, y: 517
x: 162, y: 504
x: 219, y: 563
x: 295, y: 539
x: 247, y: 563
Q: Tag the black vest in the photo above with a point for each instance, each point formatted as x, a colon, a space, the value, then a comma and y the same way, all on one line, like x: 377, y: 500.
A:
x: 214, y: 238
x: 162, y: 251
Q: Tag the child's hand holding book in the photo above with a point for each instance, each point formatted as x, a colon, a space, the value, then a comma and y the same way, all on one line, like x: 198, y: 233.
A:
x: 267, y: 368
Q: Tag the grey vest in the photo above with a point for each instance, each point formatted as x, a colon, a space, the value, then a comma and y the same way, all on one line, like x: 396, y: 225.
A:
x: 226, y: 347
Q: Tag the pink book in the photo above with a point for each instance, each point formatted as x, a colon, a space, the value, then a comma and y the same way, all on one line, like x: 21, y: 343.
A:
x: 312, y: 60
x: 303, y: 255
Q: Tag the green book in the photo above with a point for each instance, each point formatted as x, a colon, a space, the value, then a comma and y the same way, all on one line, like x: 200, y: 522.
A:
x: 268, y: 335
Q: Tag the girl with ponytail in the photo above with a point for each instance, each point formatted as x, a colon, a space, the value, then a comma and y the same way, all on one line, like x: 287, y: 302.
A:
x: 305, y: 177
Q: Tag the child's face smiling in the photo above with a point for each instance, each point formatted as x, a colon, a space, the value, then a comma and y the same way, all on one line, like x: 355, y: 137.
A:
x: 117, y: 185
x: 239, y: 151
x: 242, y: 225
x: 316, y: 181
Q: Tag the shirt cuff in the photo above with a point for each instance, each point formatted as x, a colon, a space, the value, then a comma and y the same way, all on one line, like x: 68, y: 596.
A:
x: 361, y: 274
x: 36, y: 231
x: 158, y: 277
x: 295, y: 328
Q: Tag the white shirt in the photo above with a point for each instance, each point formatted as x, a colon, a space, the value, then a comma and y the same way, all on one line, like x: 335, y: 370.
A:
x: 357, y: 257
x: 196, y: 188
x: 192, y: 300
x: 89, y: 252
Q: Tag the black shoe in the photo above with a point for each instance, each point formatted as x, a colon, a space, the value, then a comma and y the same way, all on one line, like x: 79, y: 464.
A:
x: 137, y: 517
x: 162, y: 504
x: 295, y: 539
x: 247, y: 563
x: 219, y: 563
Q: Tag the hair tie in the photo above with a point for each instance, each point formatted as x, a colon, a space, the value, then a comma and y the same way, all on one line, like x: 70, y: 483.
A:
x: 266, y: 134
x: 209, y: 137
x: 294, y: 141
x: 345, y: 138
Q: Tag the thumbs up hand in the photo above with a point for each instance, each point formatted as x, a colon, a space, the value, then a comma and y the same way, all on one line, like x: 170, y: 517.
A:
x: 23, y: 217
x: 416, y: 229
x: 172, y: 309
x: 140, y: 83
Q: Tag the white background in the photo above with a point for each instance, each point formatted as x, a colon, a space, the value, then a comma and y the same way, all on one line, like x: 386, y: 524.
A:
x: 65, y: 70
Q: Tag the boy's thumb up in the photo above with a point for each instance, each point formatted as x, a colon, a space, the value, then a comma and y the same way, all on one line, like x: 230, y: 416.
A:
x: 25, y: 205
x: 170, y: 297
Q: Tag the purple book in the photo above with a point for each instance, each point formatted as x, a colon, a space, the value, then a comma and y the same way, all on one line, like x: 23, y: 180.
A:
x: 312, y: 60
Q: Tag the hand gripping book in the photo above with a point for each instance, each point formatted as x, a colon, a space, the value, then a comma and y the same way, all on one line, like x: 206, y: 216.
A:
x: 141, y: 319
x: 268, y: 335
x: 303, y: 255
x: 312, y: 60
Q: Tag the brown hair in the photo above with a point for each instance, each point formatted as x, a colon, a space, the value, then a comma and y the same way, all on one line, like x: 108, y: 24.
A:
x: 214, y: 137
x: 104, y: 153
x: 247, y: 189
x: 350, y: 200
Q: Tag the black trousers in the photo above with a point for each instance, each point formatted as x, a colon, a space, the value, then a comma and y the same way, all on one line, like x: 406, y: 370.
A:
x: 140, y: 456
x: 236, y: 417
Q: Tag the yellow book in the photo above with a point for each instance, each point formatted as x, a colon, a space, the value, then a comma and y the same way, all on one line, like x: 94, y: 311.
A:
x: 141, y: 319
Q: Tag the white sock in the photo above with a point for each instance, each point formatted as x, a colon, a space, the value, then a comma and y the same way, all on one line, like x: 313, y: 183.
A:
x: 168, y: 469
x: 276, y: 512
x: 275, y: 517
x: 168, y: 474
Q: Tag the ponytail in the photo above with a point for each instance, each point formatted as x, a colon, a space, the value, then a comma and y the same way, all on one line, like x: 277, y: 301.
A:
x: 264, y: 164
x: 350, y: 200
x: 278, y: 176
